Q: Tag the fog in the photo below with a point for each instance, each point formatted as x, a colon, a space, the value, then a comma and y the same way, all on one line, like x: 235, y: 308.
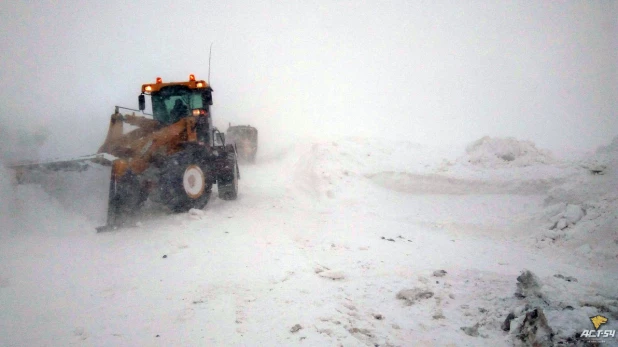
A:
x: 431, y: 73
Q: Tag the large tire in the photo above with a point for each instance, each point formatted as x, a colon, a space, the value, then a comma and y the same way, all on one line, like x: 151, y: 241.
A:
x: 185, y: 182
x: 228, y: 183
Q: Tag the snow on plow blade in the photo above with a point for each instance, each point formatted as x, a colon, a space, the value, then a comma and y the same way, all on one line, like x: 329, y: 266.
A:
x: 81, y: 185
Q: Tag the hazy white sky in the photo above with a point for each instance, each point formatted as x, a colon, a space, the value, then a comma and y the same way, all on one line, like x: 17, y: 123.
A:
x: 429, y: 72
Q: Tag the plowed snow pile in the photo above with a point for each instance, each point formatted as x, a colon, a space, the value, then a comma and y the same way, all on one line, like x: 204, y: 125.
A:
x: 511, y: 162
x: 499, y: 152
x: 582, y: 213
x: 341, y: 167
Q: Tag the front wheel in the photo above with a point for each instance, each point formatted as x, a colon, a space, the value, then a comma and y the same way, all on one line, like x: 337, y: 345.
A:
x: 185, y: 183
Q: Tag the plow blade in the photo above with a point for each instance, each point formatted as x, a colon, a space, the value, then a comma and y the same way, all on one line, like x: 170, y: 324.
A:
x: 81, y: 185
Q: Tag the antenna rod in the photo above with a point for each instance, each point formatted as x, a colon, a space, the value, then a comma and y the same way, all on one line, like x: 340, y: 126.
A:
x: 209, y: 56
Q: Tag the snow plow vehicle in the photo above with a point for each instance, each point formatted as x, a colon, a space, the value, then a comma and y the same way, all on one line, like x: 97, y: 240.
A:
x: 245, y: 137
x: 173, y: 158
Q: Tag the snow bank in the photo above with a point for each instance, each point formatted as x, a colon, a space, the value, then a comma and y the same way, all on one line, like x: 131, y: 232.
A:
x: 582, y: 213
x: 338, y: 167
x: 500, y: 152
x: 604, y: 158
x: 341, y: 167
x: 508, y: 162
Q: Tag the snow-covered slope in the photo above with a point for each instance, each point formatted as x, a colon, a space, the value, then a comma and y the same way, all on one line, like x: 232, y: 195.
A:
x: 349, y: 241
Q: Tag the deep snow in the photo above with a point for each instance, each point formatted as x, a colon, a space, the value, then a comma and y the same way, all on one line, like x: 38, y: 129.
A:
x: 330, y: 243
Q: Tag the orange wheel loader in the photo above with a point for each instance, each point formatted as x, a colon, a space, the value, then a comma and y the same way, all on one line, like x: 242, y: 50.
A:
x: 173, y: 157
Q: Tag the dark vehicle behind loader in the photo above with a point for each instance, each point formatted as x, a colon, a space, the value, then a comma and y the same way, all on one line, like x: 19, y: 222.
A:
x: 245, y: 137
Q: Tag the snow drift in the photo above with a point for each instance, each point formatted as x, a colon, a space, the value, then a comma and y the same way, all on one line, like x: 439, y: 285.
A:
x: 344, y: 166
x: 605, y: 157
x: 341, y: 167
x: 582, y: 213
x: 498, y: 152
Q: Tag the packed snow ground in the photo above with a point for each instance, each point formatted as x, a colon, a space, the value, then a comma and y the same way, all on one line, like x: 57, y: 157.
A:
x: 330, y: 243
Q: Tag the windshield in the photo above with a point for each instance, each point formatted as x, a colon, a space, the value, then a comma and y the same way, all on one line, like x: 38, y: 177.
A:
x: 172, y: 103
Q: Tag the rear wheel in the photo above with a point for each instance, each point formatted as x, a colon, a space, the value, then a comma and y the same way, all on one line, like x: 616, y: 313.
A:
x: 185, y: 183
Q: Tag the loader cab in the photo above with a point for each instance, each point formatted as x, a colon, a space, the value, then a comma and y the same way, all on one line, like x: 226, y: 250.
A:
x: 173, y: 101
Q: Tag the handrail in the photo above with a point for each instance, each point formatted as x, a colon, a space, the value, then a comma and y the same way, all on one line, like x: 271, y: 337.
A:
x: 131, y: 109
